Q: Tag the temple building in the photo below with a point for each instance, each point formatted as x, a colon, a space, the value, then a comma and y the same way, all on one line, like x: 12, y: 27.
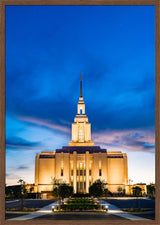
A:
x: 81, y: 162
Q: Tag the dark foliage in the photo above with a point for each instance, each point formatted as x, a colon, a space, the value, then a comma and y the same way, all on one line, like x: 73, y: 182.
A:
x: 97, y: 188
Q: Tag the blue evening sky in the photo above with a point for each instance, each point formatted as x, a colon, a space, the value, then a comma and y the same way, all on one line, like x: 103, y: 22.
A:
x: 47, y: 48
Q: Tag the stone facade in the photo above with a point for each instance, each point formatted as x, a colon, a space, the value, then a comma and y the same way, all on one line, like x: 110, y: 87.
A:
x: 81, y: 163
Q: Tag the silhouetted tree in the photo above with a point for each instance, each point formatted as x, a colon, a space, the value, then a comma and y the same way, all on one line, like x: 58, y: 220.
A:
x: 124, y: 192
x: 97, y: 189
x: 137, y: 192
x: 106, y: 191
x: 9, y: 193
x: 151, y: 190
x: 65, y: 191
x: 119, y: 189
x: 61, y: 190
x: 31, y: 189
x: 22, y: 192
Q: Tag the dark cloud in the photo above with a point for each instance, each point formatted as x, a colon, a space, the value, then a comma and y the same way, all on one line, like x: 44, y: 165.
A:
x: 16, y: 143
x: 22, y: 167
x: 42, y: 73
x: 148, y: 145
x: 145, y: 146
x: 103, y: 113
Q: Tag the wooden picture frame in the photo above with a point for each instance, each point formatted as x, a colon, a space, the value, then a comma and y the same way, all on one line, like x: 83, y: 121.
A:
x: 3, y: 3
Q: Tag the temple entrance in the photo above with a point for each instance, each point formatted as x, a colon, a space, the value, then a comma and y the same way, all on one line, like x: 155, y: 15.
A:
x: 81, y: 187
x: 81, y: 178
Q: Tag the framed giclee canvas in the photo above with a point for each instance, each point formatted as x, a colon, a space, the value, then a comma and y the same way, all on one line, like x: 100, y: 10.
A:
x: 80, y: 112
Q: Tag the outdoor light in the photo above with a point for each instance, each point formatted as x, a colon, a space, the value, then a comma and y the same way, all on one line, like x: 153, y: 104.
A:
x: 106, y: 207
x: 53, y: 207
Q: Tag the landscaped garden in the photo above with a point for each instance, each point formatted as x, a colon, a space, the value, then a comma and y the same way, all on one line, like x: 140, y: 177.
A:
x: 22, y: 210
x: 80, y: 204
x: 130, y: 210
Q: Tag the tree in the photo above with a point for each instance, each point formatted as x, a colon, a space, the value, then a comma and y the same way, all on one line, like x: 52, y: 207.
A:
x: 65, y: 191
x: 22, y: 192
x: 31, y: 189
x: 106, y: 191
x: 97, y: 188
x: 151, y: 190
x: 9, y: 193
x: 137, y: 192
x: 119, y: 189
x: 61, y: 190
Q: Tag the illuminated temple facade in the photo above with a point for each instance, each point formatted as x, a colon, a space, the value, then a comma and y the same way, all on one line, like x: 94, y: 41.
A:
x: 81, y: 162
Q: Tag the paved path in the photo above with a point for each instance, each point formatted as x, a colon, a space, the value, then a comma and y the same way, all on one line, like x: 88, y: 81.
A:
x: 112, y: 209
x: 29, y: 203
x: 43, y: 211
x: 80, y: 216
x: 8, y: 202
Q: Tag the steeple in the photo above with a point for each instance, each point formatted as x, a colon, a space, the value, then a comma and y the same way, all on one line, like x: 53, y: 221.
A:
x: 81, y: 129
x: 81, y: 105
x: 81, y: 85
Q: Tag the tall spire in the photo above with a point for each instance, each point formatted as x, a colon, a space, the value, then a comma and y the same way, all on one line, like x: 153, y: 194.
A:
x: 81, y: 85
x: 81, y: 128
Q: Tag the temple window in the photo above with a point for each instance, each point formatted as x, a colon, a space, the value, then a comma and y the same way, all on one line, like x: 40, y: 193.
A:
x: 90, y: 171
x: 61, y: 168
x: 100, y: 170
x: 81, y: 134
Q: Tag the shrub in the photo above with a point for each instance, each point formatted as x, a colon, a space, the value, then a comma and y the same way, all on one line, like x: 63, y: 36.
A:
x: 13, y: 209
x: 32, y: 209
x: 25, y: 209
x: 80, y: 204
x: 131, y: 210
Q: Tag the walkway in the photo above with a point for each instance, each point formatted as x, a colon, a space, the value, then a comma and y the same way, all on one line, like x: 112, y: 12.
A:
x: 43, y: 211
x: 112, y: 209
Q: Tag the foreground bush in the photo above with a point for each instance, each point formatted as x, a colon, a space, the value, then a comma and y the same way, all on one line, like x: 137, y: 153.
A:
x: 80, y: 204
x: 23, y: 210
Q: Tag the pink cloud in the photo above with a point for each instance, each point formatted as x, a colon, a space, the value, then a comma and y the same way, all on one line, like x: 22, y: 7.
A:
x: 131, y: 140
x: 45, y: 123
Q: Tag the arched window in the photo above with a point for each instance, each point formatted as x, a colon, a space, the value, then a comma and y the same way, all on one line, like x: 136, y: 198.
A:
x: 81, y: 134
x: 80, y: 111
